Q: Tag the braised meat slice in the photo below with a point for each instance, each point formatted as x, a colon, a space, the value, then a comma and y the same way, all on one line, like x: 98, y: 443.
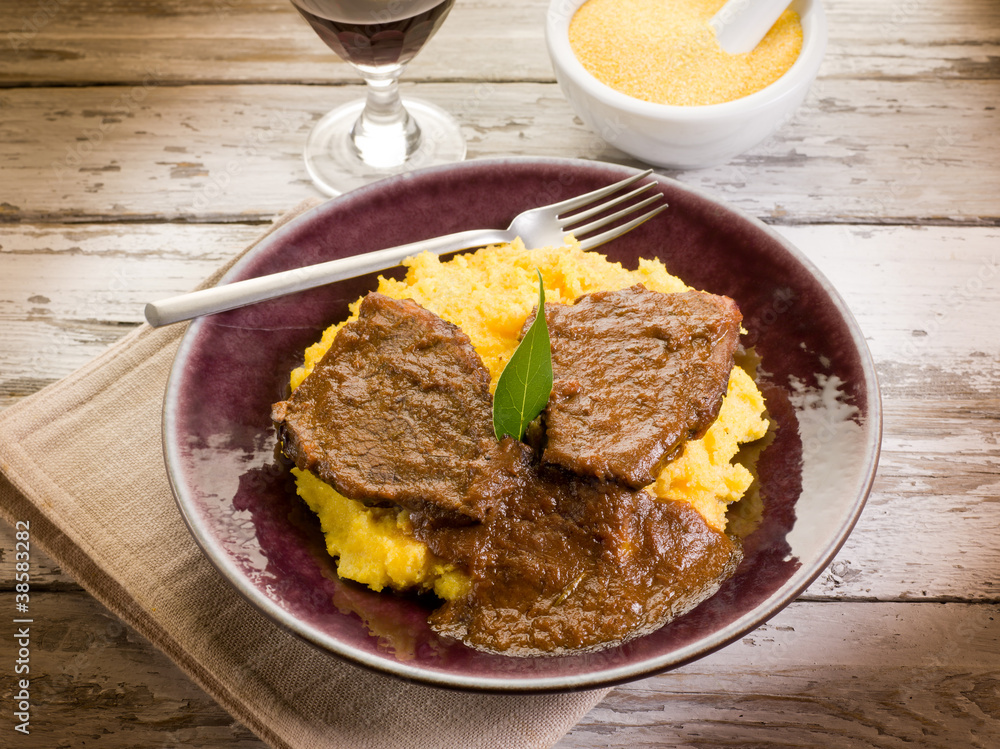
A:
x: 636, y: 374
x: 398, y: 411
x: 570, y: 564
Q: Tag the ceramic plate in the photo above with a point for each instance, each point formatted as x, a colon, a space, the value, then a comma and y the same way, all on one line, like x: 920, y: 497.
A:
x: 240, y: 503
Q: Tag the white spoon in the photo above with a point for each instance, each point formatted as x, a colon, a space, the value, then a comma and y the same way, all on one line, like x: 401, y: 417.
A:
x: 741, y: 24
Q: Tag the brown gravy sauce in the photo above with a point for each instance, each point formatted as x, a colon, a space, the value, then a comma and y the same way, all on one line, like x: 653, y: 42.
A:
x: 562, y: 558
x: 568, y: 564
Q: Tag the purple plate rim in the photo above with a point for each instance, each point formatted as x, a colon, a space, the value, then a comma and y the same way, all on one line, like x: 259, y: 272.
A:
x: 781, y: 597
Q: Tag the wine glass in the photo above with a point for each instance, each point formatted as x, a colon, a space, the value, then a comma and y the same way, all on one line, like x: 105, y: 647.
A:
x: 371, y: 138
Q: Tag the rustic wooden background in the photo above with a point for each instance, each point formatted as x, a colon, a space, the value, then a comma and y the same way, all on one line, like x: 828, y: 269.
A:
x: 143, y: 143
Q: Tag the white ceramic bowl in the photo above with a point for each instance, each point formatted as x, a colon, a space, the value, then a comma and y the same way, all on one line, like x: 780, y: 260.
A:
x: 689, y: 137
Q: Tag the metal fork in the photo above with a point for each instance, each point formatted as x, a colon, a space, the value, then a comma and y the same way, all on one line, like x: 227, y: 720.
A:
x: 538, y: 227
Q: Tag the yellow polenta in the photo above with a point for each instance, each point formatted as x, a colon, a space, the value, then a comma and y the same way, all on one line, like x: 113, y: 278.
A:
x: 489, y: 294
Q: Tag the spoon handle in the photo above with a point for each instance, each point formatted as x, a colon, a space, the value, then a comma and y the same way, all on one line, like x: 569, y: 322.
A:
x: 741, y: 24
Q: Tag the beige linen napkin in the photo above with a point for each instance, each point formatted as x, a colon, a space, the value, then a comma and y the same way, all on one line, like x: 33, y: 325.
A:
x: 82, y: 461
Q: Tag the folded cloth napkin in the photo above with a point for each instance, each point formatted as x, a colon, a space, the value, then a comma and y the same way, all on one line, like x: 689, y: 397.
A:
x: 82, y: 461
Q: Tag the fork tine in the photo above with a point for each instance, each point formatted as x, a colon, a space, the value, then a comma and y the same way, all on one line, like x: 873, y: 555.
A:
x: 578, y: 231
x: 598, y: 239
x: 587, y: 198
x: 607, y: 204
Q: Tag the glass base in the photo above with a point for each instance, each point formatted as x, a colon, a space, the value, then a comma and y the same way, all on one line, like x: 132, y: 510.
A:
x: 335, y: 166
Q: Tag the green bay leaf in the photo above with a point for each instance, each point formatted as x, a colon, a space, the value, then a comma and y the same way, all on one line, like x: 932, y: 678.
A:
x: 526, y: 380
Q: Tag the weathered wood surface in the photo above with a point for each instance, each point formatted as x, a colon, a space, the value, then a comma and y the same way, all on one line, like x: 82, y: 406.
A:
x: 141, y: 144
x: 221, y: 41
x: 78, y: 42
x: 935, y: 685
x: 96, y: 682
x: 233, y: 153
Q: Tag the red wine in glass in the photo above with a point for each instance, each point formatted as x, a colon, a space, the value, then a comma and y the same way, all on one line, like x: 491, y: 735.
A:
x: 368, y: 33
x: 363, y: 141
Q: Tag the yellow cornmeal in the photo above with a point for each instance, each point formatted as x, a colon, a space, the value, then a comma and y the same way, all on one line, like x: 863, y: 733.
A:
x: 664, y: 51
x: 374, y: 544
x: 489, y: 294
x: 704, y: 474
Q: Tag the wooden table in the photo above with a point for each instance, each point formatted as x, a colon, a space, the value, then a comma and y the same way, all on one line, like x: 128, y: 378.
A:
x: 141, y: 144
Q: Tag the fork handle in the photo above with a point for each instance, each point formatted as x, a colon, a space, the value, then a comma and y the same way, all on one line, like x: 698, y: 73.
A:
x: 241, y: 293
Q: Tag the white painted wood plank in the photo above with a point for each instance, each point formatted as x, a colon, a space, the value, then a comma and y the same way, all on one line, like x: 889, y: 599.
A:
x: 230, y: 153
x: 249, y: 40
x: 80, y: 42
x: 102, y: 273
x: 916, y: 293
x: 913, y: 289
x: 823, y: 675
x: 848, y: 676
x: 69, y: 292
x: 96, y: 682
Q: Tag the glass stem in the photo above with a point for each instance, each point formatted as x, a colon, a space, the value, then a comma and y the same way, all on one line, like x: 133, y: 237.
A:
x: 385, y: 135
